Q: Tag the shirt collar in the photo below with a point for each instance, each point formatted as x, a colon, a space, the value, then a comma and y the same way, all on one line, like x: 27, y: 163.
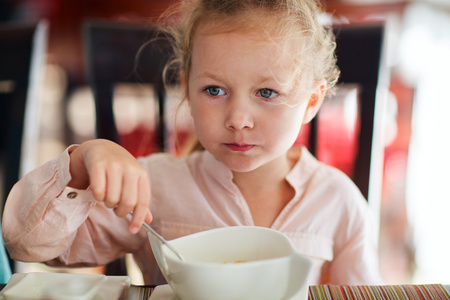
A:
x: 297, y: 177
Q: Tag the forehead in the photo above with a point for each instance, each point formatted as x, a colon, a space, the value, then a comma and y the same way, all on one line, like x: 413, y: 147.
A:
x: 236, y: 56
x: 216, y: 42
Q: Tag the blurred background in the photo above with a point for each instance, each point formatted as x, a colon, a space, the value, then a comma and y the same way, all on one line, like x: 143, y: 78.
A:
x: 413, y: 206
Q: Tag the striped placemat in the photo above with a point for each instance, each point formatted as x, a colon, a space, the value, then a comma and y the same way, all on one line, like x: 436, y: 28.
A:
x: 378, y: 292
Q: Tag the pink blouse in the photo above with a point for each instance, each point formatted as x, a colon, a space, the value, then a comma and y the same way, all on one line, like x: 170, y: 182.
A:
x: 328, y: 219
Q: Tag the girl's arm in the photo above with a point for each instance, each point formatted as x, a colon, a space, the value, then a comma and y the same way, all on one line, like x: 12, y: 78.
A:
x: 45, y: 218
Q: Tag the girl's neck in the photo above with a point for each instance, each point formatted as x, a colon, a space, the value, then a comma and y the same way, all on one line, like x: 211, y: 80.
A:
x: 266, y: 175
x: 266, y: 190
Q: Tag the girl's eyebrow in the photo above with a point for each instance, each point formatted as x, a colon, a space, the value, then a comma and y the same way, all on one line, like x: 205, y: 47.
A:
x: 260, y: 79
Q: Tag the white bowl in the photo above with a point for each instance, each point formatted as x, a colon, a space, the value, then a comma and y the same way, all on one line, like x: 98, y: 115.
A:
x: 242, y: 262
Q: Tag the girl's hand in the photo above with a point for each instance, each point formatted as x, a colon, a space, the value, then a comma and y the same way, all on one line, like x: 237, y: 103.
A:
x: 115, y: 177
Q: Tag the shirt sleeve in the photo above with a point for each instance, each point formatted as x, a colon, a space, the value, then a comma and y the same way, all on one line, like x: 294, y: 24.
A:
x: 46, y: 221
x: 356, y: 260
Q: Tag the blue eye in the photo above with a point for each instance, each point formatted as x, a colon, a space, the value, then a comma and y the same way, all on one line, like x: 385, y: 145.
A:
x: 215, y: 91
x: 267, y: 93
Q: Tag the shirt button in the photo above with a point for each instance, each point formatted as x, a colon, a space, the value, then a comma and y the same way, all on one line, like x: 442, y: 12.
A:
x: 72, y: 195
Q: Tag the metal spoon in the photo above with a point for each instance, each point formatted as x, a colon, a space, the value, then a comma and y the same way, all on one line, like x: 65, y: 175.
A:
x: 162, y: 240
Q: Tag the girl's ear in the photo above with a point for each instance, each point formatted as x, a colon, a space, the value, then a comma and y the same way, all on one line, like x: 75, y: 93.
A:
x: 315, y: 101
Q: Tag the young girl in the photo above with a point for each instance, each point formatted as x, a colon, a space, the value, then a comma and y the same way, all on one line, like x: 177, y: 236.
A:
x: 253, y: 72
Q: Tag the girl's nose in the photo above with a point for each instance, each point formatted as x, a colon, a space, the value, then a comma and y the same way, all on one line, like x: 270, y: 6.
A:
x: 239, y: 115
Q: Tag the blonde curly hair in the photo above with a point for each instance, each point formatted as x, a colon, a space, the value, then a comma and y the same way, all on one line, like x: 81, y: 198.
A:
x: 293, y: 19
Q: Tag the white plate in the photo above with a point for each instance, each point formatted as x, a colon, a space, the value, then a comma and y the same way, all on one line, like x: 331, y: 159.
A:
x: 64, y: 286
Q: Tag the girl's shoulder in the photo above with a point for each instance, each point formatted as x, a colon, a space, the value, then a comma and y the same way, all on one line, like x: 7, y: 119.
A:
x: 331, y: 189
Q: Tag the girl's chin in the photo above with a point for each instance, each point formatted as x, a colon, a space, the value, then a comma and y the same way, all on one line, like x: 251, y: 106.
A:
x: 240, y: 165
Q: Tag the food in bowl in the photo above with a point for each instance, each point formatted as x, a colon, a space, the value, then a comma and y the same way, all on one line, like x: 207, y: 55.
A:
x: 235, y: 262
x: 264, y: 265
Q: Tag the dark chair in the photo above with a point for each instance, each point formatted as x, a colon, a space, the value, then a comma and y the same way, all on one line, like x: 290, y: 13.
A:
x: 124, y: 53
x: 22, y: 54
x: 360, y: 58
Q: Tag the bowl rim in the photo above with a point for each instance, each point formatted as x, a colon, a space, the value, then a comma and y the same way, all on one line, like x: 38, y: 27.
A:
x: 170, y: 256
x: 232, y: 228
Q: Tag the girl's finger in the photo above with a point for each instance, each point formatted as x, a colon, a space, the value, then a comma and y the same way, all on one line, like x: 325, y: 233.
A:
x: 128, y: 198
x: 97, y: 178
x: 141, y: 210
x: 144, y: 196
x: 114, y: 181
x: 139, y: 213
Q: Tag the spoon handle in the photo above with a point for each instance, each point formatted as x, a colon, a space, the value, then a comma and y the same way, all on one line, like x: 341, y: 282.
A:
x: 161, y: 239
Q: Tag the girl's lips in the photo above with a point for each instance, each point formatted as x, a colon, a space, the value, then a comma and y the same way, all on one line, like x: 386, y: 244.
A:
x: 240, y: 147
